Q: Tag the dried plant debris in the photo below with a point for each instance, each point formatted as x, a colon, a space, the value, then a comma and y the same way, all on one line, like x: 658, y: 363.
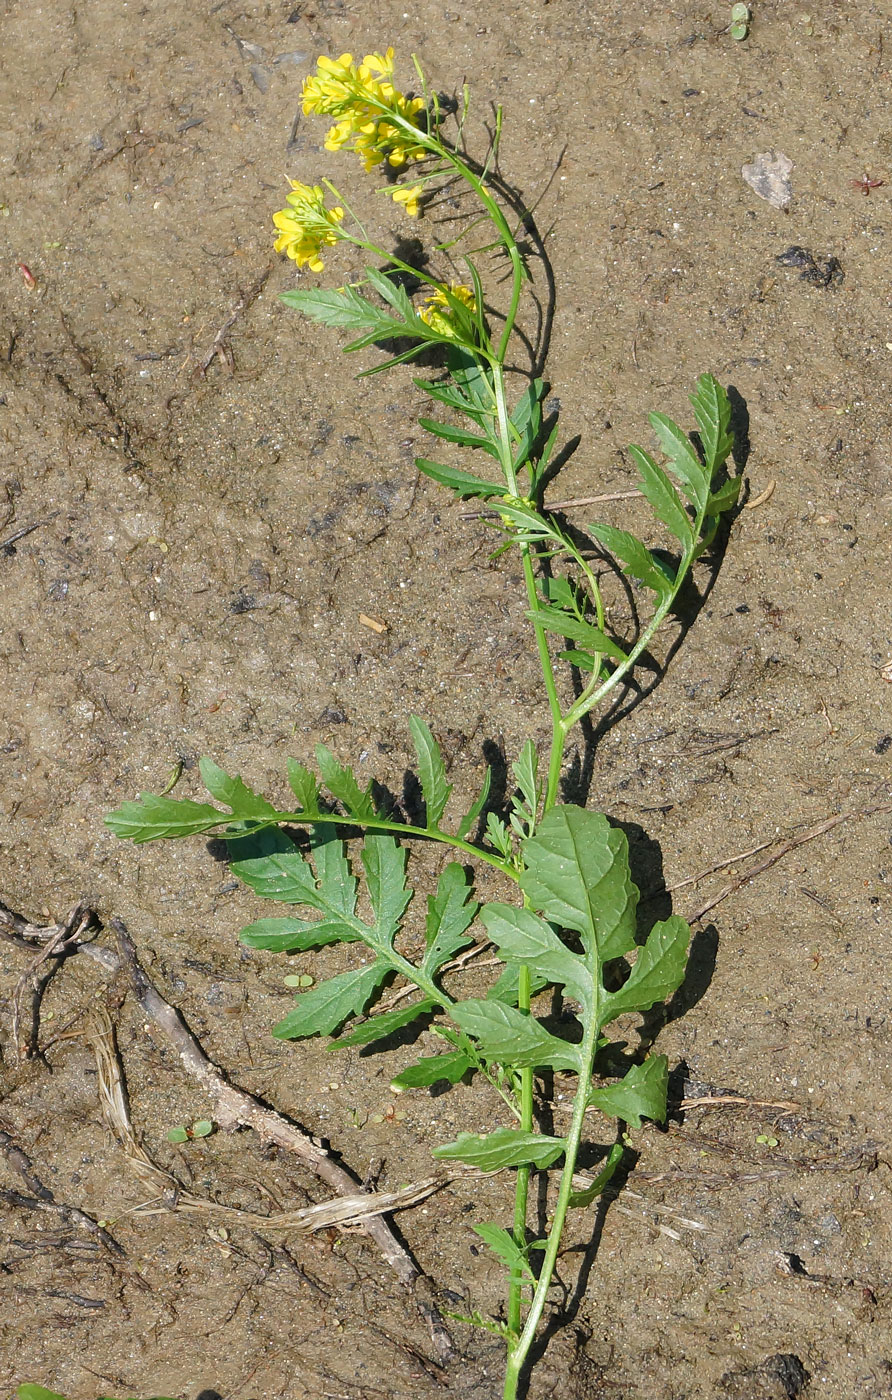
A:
x: 819, y: 272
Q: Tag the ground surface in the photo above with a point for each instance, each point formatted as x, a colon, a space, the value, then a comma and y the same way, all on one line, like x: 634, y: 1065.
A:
x: 205, y: 544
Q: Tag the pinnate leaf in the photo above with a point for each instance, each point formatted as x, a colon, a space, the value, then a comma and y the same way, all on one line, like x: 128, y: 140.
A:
x: 712, y: 410
x: 522, y: 937
x: 295, y: 935
x: 245, y: 803
x: 505, y: 1248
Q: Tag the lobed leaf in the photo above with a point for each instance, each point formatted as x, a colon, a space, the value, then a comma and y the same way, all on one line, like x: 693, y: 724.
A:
x: 283, y: 875
x: 385, y: 870
x: 590, y: 1193
x: 658, y: 971
x: 341, y: 783
x: 431, y: 772
x: 295, y: 935
x: 725, y: 498
x: 522, y: 937
x: 641, y: 1094
x: 304, y: 786
x: 450, y: 913
x: 233, y: 792
x: 506, y: 1147
x: 576, y: 873
x: 525, y: 769
x: 505, y: 1248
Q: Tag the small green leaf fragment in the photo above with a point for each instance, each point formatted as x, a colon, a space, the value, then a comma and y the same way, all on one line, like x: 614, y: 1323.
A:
x: 304, y: 786
x: 473, y: 812
x: 235, y: 793
x: 464, y: 484
x: 203, y: 1127
x: 177, y: 1135
x: 431, y: 771
x: 341, y: 783
x: 635, y: 557
x: 591, y: 1193
x: 505, y: 1248
x: 450, y: 913
x: 641, y: 1094
x: 506, y: 1147
x: 433, y: 1069
x: 379, y: 1027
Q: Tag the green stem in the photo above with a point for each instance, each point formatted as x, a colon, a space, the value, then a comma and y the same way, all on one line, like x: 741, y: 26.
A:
x: 518, y: 1352
x: 249, y: 826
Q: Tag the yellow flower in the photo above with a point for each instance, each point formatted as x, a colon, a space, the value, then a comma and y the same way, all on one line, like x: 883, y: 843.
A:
x: 409, y: 196
x: 371, y: 115
x: 306, y: 225
x: 443, y: 320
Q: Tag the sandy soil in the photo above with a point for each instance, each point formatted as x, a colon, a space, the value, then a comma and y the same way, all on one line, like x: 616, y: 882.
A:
x: 208, y: 514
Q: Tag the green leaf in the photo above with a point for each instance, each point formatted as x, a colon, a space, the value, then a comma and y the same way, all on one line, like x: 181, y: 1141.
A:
x: 295, y: 935
x: 385, y: 868
x: 641, y: 1094
x: 450, y: 913
x: 525, y: 769
x: 460, y: 435
x: 683, y: 460
x: 476, y: 807
x: 635, y: 557
x: 324, y: 1009
x: 433, y: 1069
x: 506, y: 1249
x: 506, y: 987
x: 498, y: 834
x: 555, y: 620
x: 658, y: 971
x: 304, y: 786
x: 345, y: 309
x: 202, y: 1127
x: 590, y: 1193
x: 582, y: 659
x: 712, y: 410
x: 177, y: 1135
x: 506, y: 1147
x: 156, y: 818
x: 528, y: 408
x: 452, y: 396
x: 342, y: 784
x: 464, y: 484
x: 284, y: 876
x: 663, y: 497
x: 511, y: 1037
x: 395, y: 296
x: 559, y: 591
x: 431, y: 771
x: 234, y: 793
x: 471, y: 378
x: 379, y: 1027
x: 522, y: 937
x: 576, y: 873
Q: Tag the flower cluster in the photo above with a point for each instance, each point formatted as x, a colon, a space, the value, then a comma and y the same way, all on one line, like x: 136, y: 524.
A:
x: 372, y: 117
x: 439, y: 310
x: 306, y: 226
